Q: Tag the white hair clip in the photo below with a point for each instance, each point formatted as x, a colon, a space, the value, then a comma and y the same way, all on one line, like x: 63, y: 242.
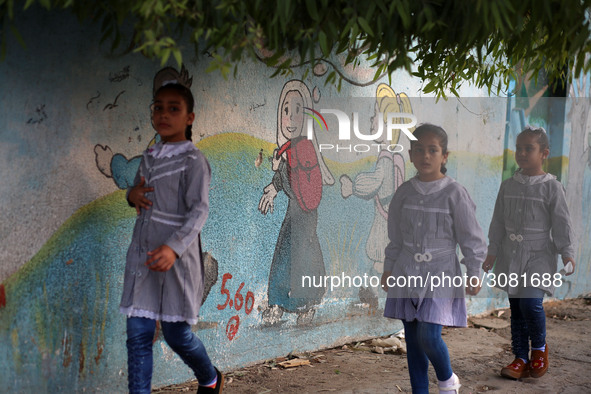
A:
x: 164, y: 83
x: 535, y: 129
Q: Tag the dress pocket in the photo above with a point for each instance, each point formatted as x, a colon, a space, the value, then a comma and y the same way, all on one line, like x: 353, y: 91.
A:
x: 537, y: 215
x: 444, y: 226
x: 510, y: 210
x: 410, y: 217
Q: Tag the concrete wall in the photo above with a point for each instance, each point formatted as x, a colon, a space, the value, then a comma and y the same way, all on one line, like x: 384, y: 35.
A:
x: 74, y: 120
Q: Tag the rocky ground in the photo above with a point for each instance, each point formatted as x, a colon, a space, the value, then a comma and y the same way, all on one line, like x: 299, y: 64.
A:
x: 478, y: 353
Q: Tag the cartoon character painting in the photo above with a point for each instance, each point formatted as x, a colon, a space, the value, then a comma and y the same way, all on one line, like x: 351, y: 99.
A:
x: 117, y: 166
x: 380, y: 184
x: 300, y: 172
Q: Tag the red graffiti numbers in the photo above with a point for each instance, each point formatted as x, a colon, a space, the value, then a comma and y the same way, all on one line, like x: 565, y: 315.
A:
x: 232, y: 327
x: 249, y: 299
x: 225, y: 291
x: 237, y: 302
x: 238, y: 298
x: 247, y: 307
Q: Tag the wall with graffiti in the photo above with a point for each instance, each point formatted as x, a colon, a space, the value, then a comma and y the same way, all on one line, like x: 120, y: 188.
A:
x: 290, y: 198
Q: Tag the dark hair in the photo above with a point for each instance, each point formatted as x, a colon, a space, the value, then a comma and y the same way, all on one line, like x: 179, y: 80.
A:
x: 186, y: 94
x: 437, y: 131
x: 537, y: 132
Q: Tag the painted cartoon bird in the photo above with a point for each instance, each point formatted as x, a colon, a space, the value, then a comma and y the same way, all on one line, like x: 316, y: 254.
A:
x: 258, y: 161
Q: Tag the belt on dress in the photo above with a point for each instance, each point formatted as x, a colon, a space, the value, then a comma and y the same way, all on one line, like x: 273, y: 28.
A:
x: 519, y: 237
x: 428, y: 255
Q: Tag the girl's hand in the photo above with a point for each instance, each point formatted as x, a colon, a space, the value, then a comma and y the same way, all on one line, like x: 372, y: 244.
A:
x: 565, y: 261
x: 473, y: 285
x: 384, y: 281
x: 137, y: 196
x: 266, y: 203
x: 488, y: 262
x: 162, y: 259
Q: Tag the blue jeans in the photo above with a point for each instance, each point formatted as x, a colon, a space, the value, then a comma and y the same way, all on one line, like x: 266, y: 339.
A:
x: 140, y: 335
x: 528, y: 321
x: 424, y: 344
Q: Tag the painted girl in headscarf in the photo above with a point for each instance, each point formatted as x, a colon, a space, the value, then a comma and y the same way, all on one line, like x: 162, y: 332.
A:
x: 380, y: 184
x: 300, y: 172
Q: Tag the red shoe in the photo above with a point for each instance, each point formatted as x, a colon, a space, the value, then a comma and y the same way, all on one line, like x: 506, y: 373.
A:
x: 516, y: 370
x: 539, y: 363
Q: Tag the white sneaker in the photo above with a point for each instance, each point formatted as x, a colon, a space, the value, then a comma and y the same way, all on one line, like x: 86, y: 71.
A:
x: 452, y: 385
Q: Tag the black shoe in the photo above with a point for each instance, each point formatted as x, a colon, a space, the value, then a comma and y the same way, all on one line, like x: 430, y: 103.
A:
x: 213, y: 390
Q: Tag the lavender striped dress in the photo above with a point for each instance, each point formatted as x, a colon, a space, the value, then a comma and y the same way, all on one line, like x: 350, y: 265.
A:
x: 426, y: 221
x: 180, y: 176
x: 530, y: 225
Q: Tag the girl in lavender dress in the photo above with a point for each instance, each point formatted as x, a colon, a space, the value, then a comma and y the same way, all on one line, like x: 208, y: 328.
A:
x: 530, y: 225
x: 164, y: 278
x: 428, y: 216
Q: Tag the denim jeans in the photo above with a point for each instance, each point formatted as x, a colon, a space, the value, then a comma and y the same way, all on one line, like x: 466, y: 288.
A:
x: 424, y: 344
x: 140, y: 335
x: 528, y: 321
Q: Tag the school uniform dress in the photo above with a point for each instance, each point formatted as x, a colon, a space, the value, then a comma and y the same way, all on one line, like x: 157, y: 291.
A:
x: 530, y: 225
x: 427, y: 220
x: 180, y: 176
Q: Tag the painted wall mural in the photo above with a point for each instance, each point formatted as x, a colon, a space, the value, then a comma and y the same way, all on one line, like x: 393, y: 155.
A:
x: 379, y: 184
x: 300, y: 172
x: 115, y: 165
x: 280, y: 206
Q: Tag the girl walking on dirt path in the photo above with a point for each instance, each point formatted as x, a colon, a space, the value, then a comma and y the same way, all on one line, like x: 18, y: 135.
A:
x: 530, y: 225
x: 164, y: 278
x: 428, y: 216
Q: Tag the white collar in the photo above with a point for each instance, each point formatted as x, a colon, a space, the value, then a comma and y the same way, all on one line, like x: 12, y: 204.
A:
x: 531, y: 180
x: 430, y: 187
x: 169, y: 149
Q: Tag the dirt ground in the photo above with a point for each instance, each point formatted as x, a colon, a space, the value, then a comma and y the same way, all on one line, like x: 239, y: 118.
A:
x: 477, y: 353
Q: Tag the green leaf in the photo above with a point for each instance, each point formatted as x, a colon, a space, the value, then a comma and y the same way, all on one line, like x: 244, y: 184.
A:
x: 106, y: 34
x: 312, y: 10
x: 10, y: 7
x: 403, y: 12
x: 323, y: 41
x: 496, y: 15
x: 164, y: 55
x: 365, y: 26
x: 431, y: 86
x: 2, y: 47
x: 116, y: 41
x: 178, y: 56
x: 17, y: 35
